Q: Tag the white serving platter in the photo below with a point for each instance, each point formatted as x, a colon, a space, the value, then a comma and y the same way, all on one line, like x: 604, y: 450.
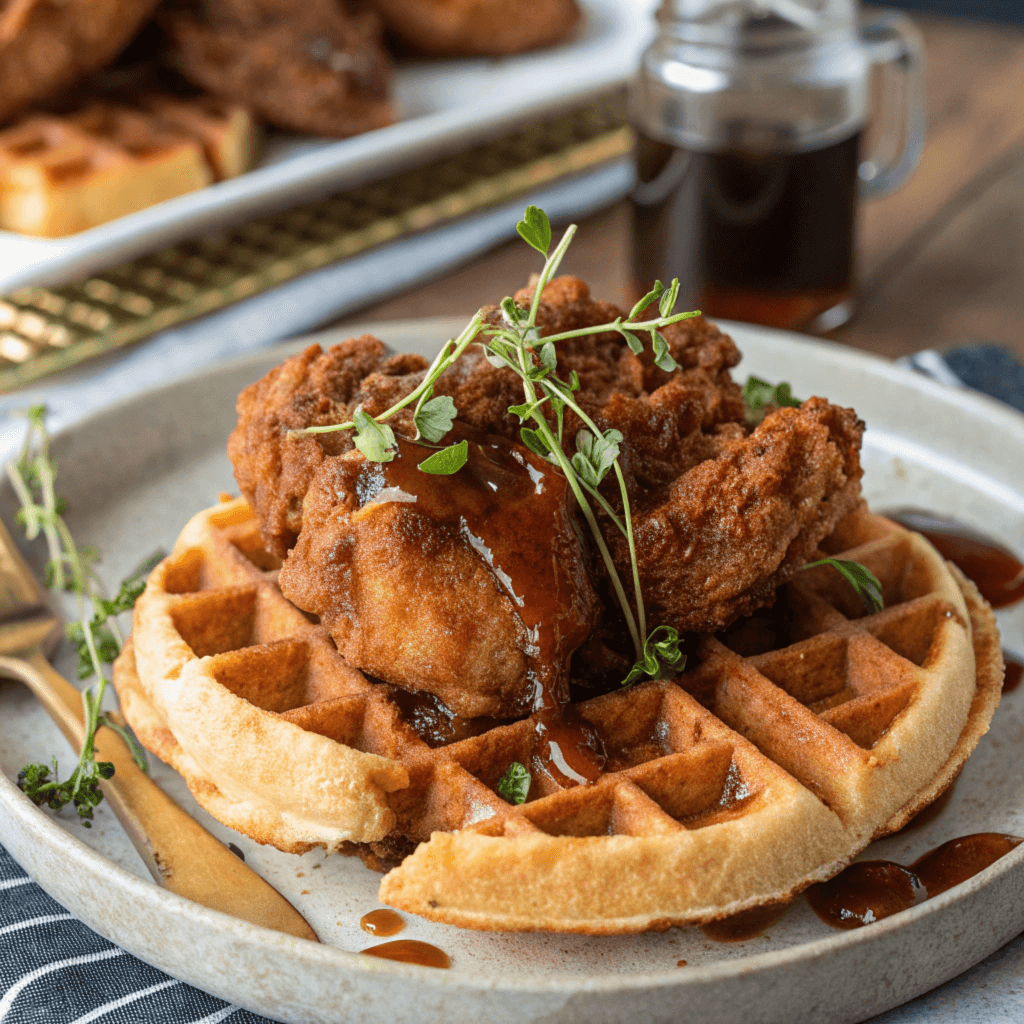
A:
x: 442, y: 106
x: 133, y: 474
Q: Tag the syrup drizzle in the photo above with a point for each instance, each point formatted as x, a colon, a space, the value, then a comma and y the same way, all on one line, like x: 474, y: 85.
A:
x: 1014, y: 672
x: 382, y: 923
x: 410, y: 951
x: 500, y: 502
x: 868, y: 891
x: 996, y: 572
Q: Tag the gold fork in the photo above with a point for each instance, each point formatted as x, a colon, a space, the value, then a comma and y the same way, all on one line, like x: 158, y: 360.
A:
x: 180, y: 854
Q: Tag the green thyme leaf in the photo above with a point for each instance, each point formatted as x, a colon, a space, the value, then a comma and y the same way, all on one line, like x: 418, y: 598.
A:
x: 375, y: 440
x: 534, y: 440
x: 595, y: 455
x: 652, y: 296
x: 574, y: 381
x: 656, y: 653
x: 434, y: 418
x: 759, y: 396
x: 447, y: 461
x: 514, y: 785
x: 860, y: 577
x: 535, y: 229
x: 512, y: 313
x: 662, y: 354
x: 668, y: 300
x: 636, y: 346
x: 548, y: 356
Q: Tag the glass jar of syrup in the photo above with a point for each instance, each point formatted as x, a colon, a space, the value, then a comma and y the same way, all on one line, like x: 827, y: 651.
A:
x: 749, y: 117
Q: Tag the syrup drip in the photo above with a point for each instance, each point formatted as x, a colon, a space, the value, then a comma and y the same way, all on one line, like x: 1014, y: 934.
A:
x: 501, y: 502
x: 410, y: 951
x: 747, y: 924
x: 434, y: 722
x: 871, y: 890
x: 382, y: 923
x: 998, y: 574
x: 1014, y: 672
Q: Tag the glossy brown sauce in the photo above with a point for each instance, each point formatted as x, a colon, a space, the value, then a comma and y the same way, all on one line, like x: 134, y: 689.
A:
x: 382, y: 923
x: 434, y: 722
x: 871, y: 890
x: 748, y: 924
x: 500, y: 502
x: 1014, y: 672
x: 410, y: 951
x: 996, y: 572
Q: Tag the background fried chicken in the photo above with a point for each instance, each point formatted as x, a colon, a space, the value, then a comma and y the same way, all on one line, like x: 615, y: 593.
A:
x: 47, y: 46
x: 723, y: 514
x: 317, y: 66
x: 454, y: 28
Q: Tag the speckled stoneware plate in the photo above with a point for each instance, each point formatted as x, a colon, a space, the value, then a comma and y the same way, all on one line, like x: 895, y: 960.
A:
x: 134, y: 474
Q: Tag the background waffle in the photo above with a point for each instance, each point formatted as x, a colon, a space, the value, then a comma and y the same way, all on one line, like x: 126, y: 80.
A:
x: 792, y: 741
x: 67, y: 173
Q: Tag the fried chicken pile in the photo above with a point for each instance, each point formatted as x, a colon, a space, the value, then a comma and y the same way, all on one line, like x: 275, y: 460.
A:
x: 411, y: 573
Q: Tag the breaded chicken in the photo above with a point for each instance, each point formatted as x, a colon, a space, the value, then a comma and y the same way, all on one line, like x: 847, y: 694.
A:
x: 472, y: 587
x: 468, y: 28
x: 723, y: 515
x: 317, y: 66
x: 46, y: 46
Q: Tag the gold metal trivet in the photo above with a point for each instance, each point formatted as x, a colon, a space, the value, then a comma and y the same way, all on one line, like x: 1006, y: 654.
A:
x: 43, y: 330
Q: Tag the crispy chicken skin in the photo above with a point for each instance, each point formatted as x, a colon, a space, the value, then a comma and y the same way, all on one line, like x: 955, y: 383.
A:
x: 457, y: 28
x: 723, y: 515
x: 311, y: 389
x: 46, y: 46
x: 317, y: 66
x: 474, y: 587
x: 718, y: 541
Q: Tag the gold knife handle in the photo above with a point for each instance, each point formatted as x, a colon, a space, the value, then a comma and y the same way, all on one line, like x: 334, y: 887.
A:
x: 180, y: 854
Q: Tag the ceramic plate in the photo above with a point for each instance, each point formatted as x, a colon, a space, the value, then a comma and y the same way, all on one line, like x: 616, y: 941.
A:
x: 135, y: 473
x: 442, y: 106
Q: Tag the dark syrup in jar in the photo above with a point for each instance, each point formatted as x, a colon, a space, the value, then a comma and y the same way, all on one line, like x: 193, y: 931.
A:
x: 762, y: 237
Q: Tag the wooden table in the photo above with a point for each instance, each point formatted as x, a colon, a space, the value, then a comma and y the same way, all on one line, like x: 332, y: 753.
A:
x: 941, y: 261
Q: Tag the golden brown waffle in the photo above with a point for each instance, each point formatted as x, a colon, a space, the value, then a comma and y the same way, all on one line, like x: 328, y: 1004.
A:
x: 792, y: 741
x: 62, y: 174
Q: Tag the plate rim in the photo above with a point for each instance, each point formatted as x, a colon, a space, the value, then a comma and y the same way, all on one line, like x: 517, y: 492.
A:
x: 14, y: 805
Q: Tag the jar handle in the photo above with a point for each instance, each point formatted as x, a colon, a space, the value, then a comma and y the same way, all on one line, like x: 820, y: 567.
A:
x: 892, y: 40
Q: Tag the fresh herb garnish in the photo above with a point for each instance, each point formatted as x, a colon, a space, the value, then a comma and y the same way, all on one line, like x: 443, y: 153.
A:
x: 514, y: 784
x: 517, y: 345
x: 759, y: 396
x: 96, y: 634
x: 860, y: 577
x: 657, y: 652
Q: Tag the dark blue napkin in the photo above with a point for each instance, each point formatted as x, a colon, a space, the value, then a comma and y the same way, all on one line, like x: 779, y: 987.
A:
x: 55, y: 970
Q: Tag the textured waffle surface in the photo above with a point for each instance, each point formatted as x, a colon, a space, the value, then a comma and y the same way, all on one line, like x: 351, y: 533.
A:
x: 63, y: 174
x: 788, y: 744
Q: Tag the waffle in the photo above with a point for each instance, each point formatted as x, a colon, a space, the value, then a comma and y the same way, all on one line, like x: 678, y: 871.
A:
x: 62, y: 174
x: 792, y: 740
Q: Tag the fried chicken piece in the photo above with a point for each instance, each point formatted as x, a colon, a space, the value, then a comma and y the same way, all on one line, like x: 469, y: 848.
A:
x: 472, y: 587
x: 467, y: 28
x: 733, y: 528
x: 46, y: 46
x: 723, y: 516
x: 313, y: 388
x: 312, y: 67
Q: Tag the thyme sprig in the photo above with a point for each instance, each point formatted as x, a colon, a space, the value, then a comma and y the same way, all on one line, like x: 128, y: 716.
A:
x: 96, y: 634
x: 516, y: 344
